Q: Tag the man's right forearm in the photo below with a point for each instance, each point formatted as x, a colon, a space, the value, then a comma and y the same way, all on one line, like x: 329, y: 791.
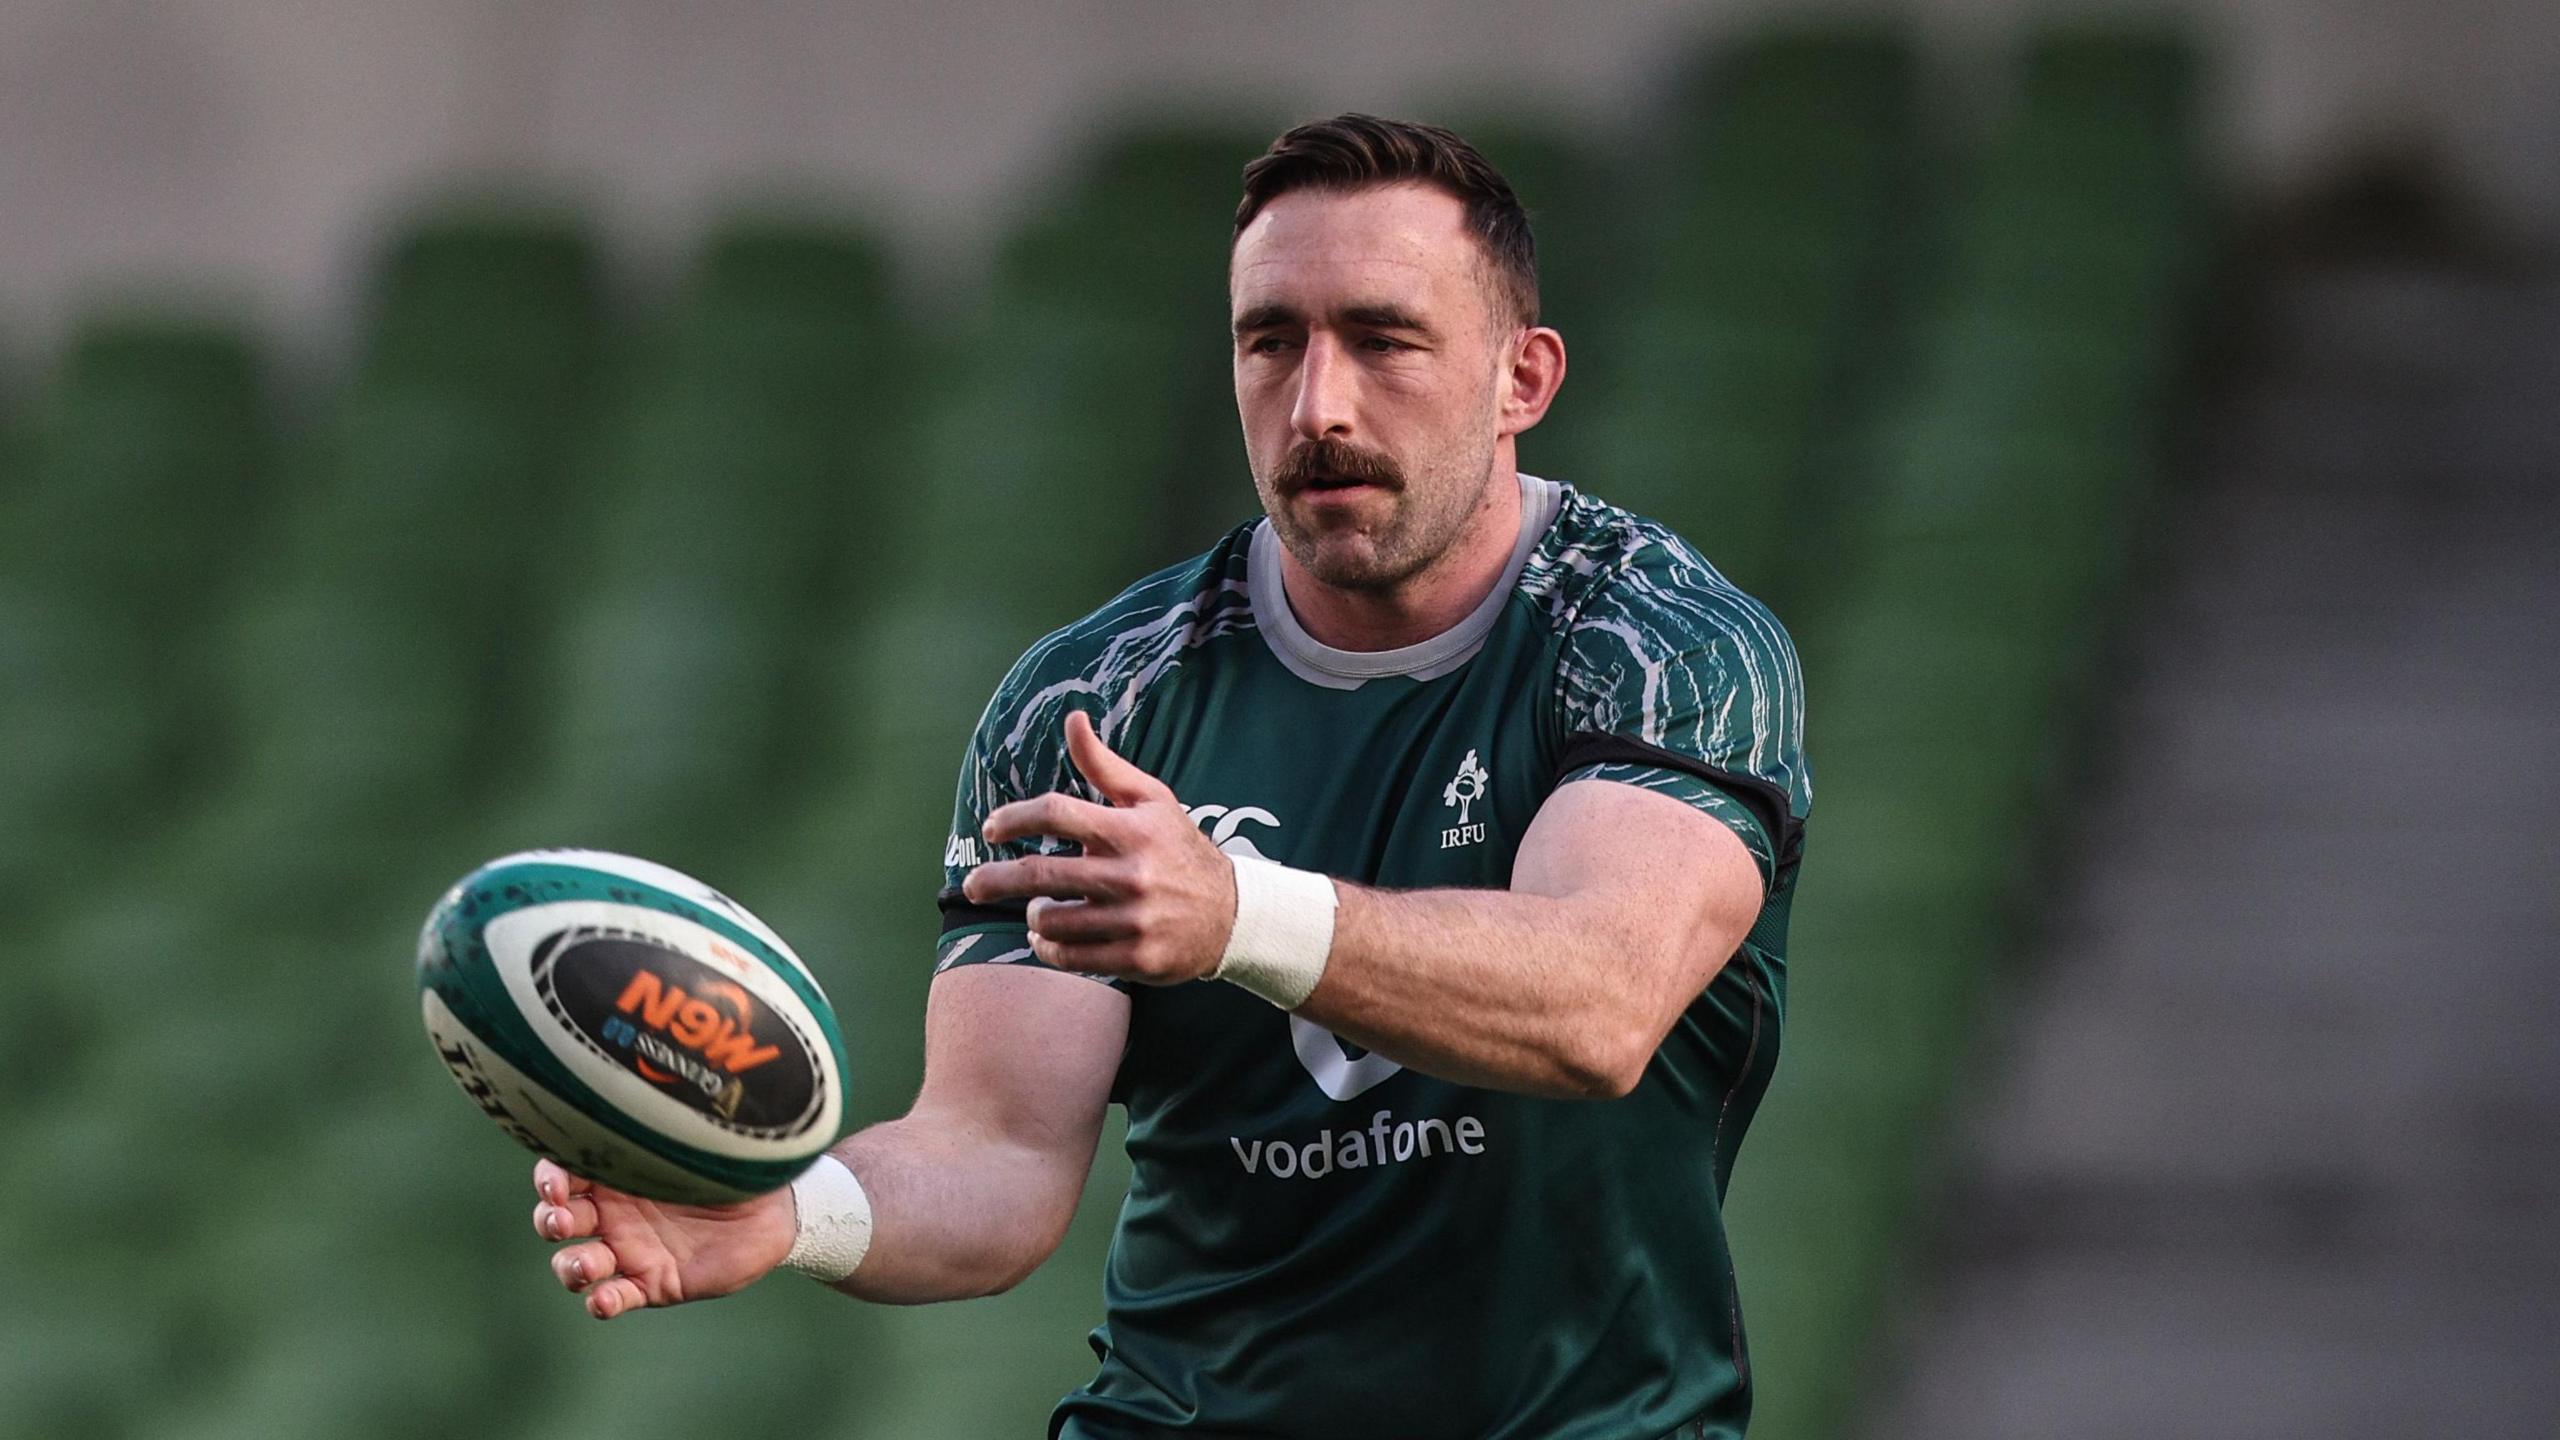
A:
x: 958, y: 1209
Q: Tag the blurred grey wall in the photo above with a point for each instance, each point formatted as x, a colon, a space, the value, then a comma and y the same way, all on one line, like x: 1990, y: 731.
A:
x: 251, y: 145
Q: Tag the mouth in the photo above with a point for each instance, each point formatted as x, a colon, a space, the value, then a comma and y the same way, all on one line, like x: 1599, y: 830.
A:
x: 1337, y: 485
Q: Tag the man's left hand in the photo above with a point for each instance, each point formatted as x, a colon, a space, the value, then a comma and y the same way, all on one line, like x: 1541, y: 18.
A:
x: 1149, y: 900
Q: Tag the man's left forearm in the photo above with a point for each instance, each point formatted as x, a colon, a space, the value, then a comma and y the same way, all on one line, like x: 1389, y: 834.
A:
x: 1495, y: 988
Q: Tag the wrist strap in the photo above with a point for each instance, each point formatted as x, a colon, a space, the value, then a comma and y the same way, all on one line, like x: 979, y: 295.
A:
x: 1283, y: 932
x: 834, y: 1225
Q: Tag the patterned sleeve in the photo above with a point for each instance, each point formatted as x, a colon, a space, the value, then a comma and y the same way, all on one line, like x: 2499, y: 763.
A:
x: 1017, y: 752
x: 1673, y: 680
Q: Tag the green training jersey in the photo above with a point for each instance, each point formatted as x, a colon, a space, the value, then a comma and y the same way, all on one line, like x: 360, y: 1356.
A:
x: 1318, y: 1241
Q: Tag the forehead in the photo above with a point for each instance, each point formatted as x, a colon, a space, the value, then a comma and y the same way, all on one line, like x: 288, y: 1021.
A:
x: 1404, y: 241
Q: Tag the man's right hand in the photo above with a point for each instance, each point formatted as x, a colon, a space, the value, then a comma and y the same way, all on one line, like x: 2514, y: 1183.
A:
x: 640, y: 1252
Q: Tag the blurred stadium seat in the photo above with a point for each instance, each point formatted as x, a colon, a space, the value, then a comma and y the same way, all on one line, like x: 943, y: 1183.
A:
x: 2009, y: 460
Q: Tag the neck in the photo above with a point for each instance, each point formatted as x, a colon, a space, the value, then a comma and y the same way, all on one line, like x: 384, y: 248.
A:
x: 1426, y: 603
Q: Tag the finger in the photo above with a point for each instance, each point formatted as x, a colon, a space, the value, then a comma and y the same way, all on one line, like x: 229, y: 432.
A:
x: 566, y: 1221
x: 1079, y: 922
x: 553, y: 1182
x: 1113, y: 778
x: 615, y: 1296
x: 1063, y: 817
x: 1101, y: 957
x: 1074, y: 877
x: 578, y: 1266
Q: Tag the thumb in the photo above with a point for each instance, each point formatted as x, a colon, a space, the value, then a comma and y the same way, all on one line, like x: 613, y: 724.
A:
x: 1115, y: 779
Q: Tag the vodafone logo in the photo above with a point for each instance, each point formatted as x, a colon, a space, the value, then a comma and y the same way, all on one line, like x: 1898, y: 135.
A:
x: 1329, y: 1061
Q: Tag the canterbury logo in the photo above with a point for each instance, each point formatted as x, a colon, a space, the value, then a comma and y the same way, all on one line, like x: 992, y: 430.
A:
x: 1221, y: 823
x: 725, y: 1041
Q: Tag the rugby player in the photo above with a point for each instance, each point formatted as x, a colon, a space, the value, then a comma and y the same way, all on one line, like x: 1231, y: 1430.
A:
x: 1414, y: 866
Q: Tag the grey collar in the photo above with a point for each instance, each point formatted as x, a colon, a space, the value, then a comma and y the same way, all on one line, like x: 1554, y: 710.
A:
x: 1317, y: 663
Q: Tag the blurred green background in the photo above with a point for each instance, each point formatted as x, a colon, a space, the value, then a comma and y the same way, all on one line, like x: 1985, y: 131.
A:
x: 721, y: 574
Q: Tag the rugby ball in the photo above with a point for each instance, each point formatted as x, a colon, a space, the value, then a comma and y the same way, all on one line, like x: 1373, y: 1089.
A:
x: 633, y: 1024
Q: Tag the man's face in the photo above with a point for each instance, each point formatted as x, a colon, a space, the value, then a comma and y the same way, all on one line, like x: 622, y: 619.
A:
x: 1370, y: 359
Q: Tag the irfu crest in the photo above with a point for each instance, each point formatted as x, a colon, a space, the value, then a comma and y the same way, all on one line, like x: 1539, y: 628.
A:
x: 1467, y: 787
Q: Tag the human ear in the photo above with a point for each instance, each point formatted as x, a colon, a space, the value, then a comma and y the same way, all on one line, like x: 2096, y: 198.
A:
x: 1531, y: 379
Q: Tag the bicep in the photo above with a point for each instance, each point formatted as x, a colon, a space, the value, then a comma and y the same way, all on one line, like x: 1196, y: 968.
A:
x: 1025, y: 1055
x: 1650, y: 867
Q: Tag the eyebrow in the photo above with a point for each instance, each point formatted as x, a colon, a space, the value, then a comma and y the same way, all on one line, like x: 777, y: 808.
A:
x: 1384, y: 317
x: 1376, y: 315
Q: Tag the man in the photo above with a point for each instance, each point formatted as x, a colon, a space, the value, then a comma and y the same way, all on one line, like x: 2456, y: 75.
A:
x: 1414, y: 866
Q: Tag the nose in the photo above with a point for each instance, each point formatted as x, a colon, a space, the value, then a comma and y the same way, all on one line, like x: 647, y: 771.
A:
x: 1326, y: 381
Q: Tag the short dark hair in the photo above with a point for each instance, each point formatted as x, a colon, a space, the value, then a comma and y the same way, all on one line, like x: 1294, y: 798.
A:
x: 1354, y: 152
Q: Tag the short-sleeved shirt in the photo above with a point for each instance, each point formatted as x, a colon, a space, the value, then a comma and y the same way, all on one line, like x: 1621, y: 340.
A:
x: 1317, y: 1241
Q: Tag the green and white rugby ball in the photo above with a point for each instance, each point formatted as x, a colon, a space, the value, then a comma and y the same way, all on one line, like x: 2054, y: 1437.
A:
x: 633, y: 1024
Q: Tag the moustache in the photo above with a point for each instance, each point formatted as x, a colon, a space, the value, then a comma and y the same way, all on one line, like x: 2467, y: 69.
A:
x: 1335, y: 460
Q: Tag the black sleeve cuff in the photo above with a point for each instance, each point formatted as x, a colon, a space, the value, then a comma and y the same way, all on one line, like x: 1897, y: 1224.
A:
x: 1767, y: 803
x: 959, y: 912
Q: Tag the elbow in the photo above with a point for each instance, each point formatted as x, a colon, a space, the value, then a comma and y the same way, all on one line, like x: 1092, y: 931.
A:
x: 1608, y: 1064
x: 1010, y: 1265
x: 1615, y: 1081
x: 998, y: 1280
x: 1607, y: 1056
x: 975, y: 1274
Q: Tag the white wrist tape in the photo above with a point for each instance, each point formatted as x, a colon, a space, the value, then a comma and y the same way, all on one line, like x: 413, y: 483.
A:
x: 1283, y: 932
x: 835, y: 1222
